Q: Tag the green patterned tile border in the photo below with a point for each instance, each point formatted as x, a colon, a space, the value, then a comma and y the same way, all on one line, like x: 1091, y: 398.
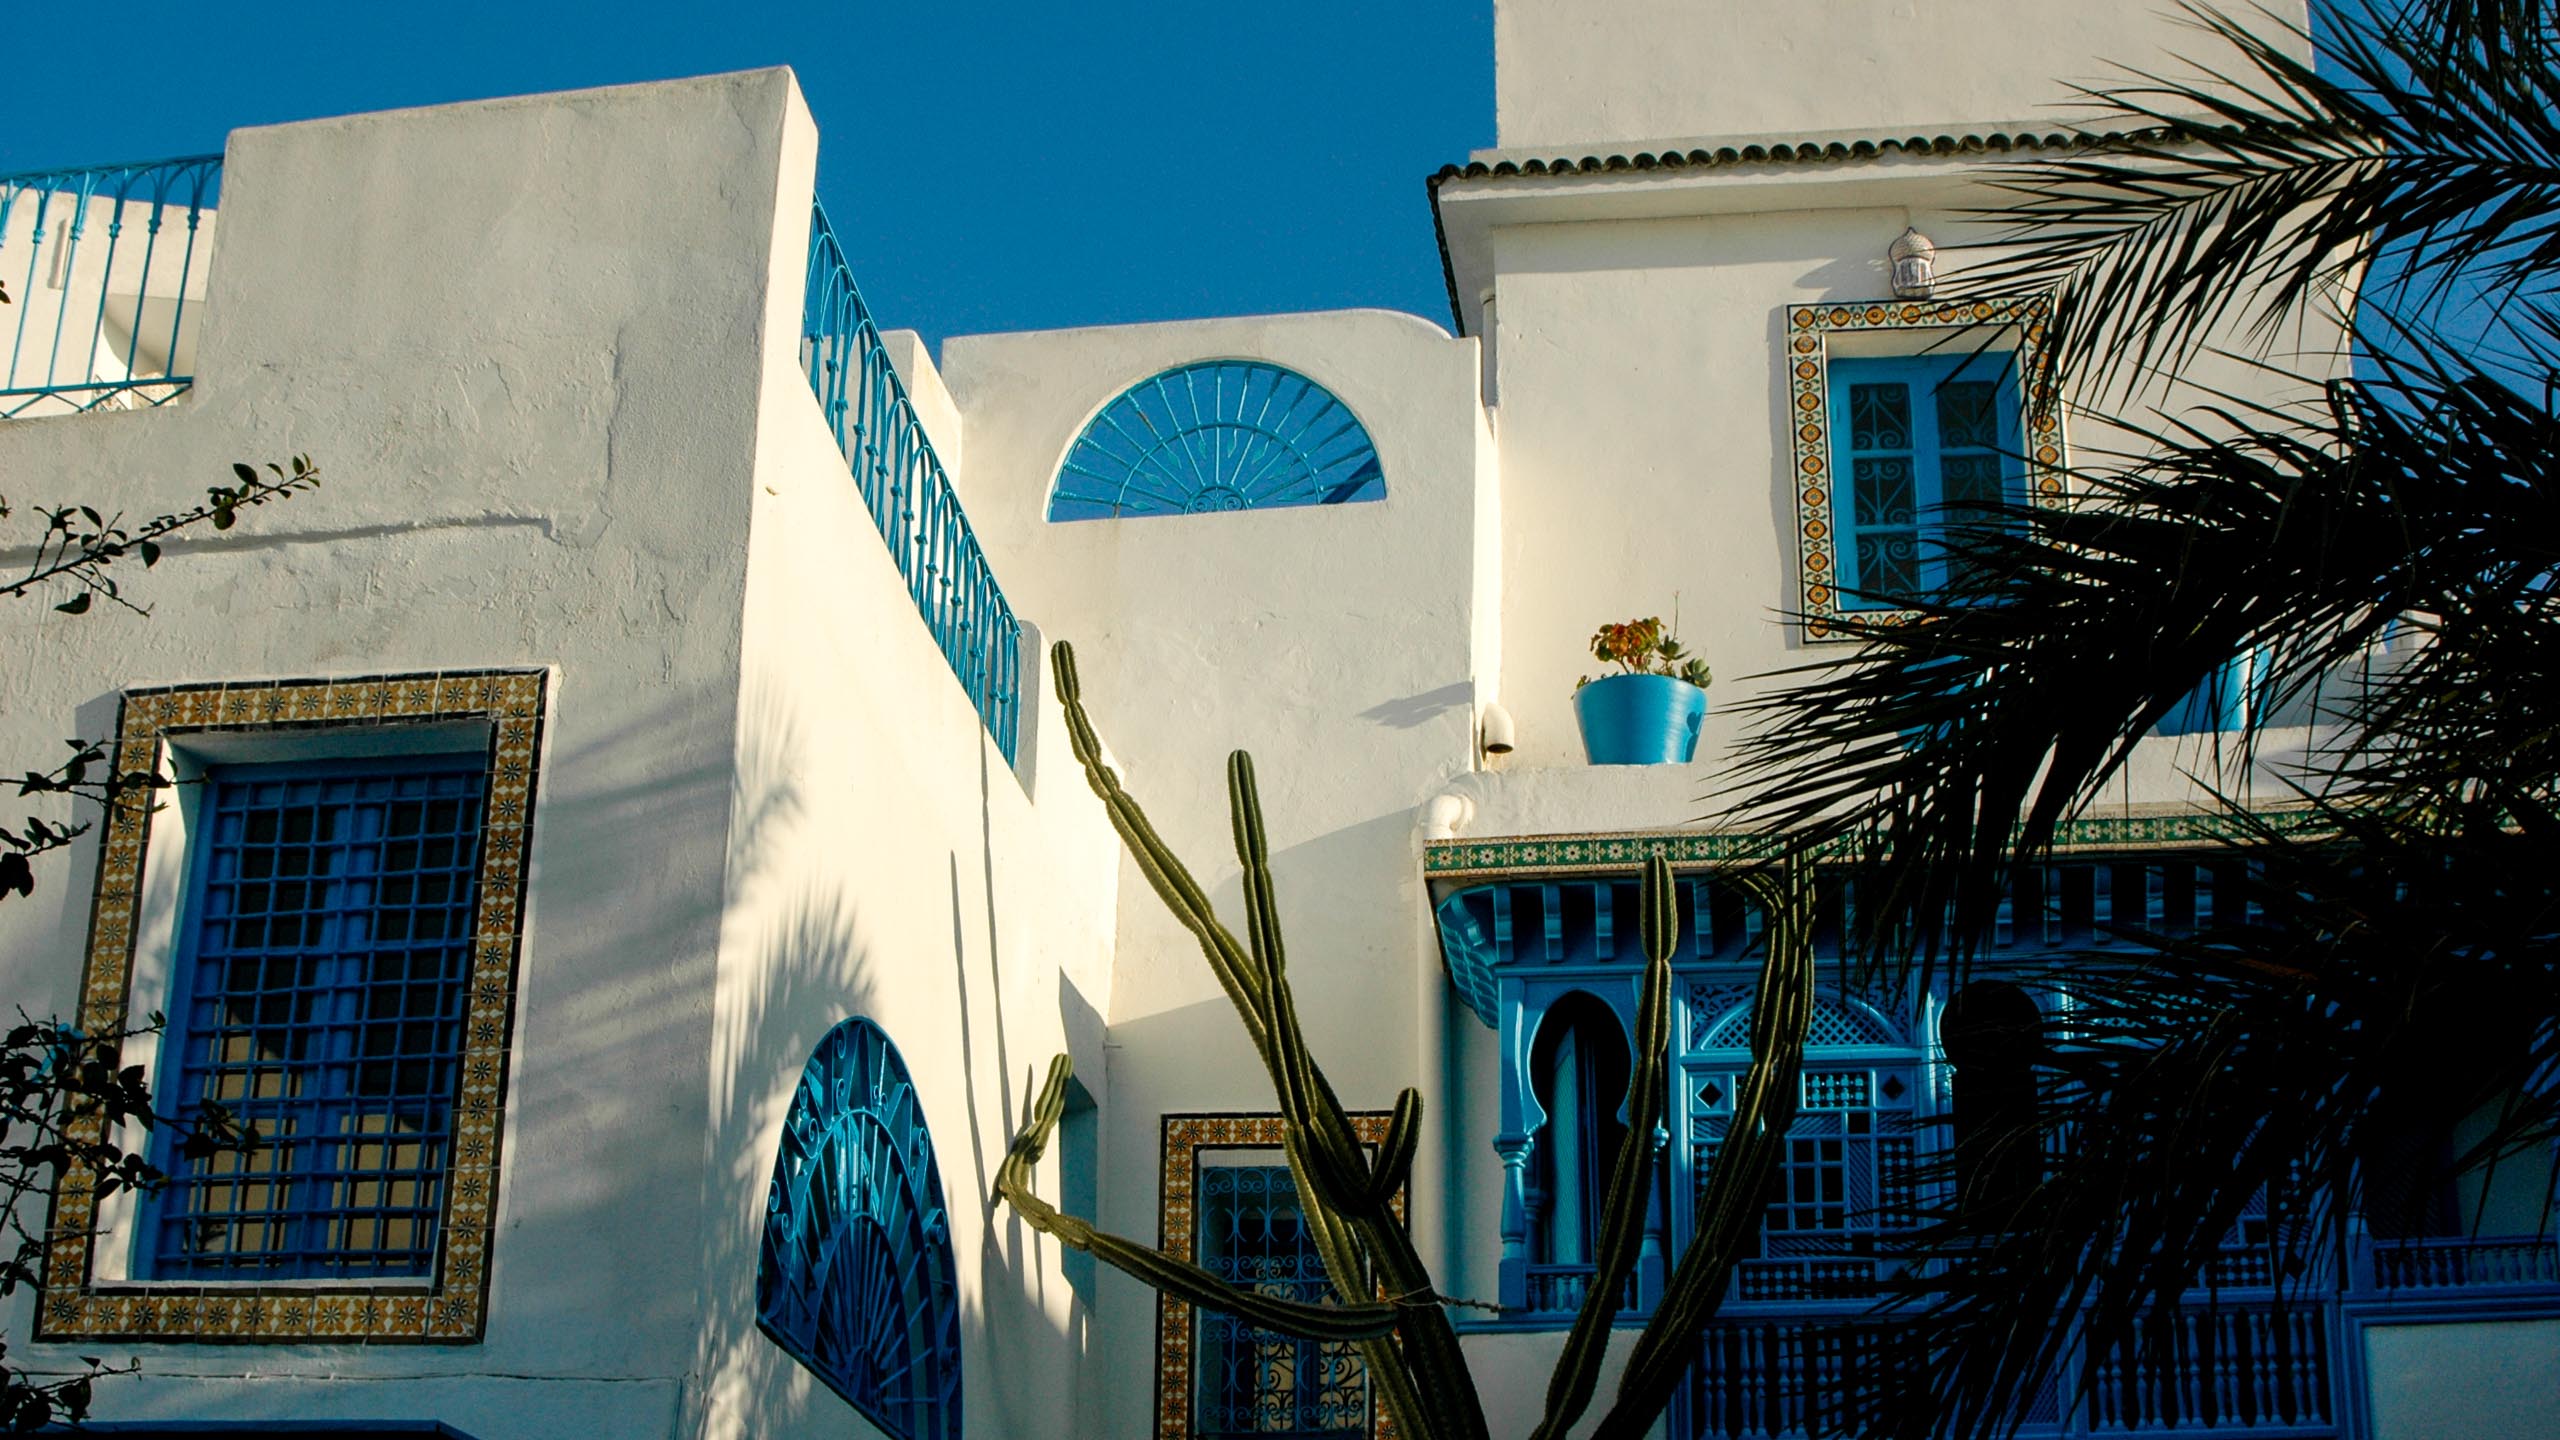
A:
x: 1626, y: 850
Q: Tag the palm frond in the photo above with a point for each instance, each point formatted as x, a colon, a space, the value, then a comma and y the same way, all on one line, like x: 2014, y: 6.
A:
x: 2248, y: 195
x: 2267, y: 1065
x: 2388, y: 552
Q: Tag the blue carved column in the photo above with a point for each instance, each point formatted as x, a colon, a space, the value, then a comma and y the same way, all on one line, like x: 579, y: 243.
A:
x: 1650, y: 1272
x: 1513, y: 1277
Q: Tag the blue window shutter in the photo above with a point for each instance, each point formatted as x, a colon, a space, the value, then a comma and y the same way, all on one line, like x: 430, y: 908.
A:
x: 1914, y: 440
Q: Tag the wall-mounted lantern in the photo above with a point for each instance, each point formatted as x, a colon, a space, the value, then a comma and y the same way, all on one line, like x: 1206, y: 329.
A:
x: 1915, y: 265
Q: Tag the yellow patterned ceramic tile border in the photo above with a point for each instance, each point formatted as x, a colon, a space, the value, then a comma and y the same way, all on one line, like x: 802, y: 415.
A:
x: 452, y: 1308
x: 1185, y: 1136
x: 1807, y: 359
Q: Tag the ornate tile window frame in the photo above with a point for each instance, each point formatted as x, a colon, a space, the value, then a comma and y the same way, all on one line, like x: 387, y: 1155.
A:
x: 451, y: 1306
x: 1185, y: 1137
x: 1930, y: 324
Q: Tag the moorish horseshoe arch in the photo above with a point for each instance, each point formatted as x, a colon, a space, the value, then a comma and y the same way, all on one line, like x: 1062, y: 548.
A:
x: 855, y: 1278
x: 1217, y: 435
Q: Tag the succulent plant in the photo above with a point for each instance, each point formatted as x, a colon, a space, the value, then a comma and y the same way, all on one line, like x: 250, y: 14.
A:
x: 1385, y: 1302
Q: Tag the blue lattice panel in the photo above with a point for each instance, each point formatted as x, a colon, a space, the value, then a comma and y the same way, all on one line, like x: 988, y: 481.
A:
x: 855, y: 1279
x: 1219, y: 435
x: 321, y: 998
x: 1845, y: 1182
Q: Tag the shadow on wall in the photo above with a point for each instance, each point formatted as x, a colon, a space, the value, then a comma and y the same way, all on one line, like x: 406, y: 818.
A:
x: 1414, y: 711
x: 811, y: 965
x: 609, y: 1021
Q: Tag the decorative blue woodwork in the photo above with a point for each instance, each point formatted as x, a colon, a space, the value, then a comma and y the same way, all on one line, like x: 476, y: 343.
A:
x: 325, y: 941
x: 1876, y: 1100
x: 1836, y: 1021
x: 99, y: 264
x: 904, y: 486
x: 1218, y: 435
x: 1253, y: 1382
x: 1918, y: 438
x: 1847, y: 1178
x: 2464, y: 1264
x: 855, y: 1279
x: 1578, y: 1070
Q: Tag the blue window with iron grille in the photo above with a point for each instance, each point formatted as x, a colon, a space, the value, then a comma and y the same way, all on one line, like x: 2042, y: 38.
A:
x: 1253, y: 1382
x: 1219, y: 435
x: 1915, y: 440
x: 855, y: 1278
x: 324, y: 948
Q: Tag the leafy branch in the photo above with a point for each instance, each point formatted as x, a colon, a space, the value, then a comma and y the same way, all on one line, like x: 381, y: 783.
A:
x: 80, y: 543
x: 73, y: 777
x: 65, y: 1099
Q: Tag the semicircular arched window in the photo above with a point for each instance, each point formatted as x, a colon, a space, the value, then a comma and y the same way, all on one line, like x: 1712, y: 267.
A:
x: 855, y: 1280
x: 1218, y: 435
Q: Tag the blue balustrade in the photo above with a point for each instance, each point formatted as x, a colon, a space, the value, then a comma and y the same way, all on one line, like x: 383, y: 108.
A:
x: 906, y: 489
x: 104, y: 269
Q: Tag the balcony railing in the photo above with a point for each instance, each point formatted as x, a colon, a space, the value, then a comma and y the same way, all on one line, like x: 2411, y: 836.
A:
x: 904, y: 486
x: 1558, y: 1291
x: 2234, y: 1370
x: 105, y: 271
x: 2463, y: 1264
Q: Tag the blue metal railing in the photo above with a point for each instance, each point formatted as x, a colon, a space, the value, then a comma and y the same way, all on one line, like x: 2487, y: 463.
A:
x: 903, y: 484
x: 98, y: 264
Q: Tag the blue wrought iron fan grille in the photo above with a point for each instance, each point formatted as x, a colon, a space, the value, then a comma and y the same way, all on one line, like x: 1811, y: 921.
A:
x: 1217, y: 435
x: 856, y: 1279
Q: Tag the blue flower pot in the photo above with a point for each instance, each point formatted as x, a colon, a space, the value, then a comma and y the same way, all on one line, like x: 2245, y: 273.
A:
x: 1640, y: 720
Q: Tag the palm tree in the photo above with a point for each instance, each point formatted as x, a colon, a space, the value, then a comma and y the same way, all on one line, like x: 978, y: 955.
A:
x: 2384, y: 551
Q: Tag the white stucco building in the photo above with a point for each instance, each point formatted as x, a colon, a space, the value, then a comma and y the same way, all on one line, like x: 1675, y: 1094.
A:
x: 580, y: 762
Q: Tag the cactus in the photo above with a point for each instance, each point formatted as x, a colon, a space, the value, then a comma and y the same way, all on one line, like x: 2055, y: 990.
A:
x: 1384, y: 1301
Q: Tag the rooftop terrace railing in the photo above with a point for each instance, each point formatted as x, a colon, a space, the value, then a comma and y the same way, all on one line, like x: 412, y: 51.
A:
x: 906, y: 489
x: 104, y: 268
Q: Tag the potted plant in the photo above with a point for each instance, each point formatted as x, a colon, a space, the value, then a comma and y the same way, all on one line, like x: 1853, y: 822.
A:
x: 1649, y: 712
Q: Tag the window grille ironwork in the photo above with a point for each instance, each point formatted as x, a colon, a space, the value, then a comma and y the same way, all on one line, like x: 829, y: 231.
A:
x: 855, y: 1278
x: 1251, y: 1381
x: 105, y: 268
x: 321, y: 988
x: 1218, y: 435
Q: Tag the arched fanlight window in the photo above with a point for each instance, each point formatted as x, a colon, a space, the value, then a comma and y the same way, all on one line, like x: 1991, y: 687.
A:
x: 856, y: 1279
x: 1994, y: 1036
x: 1218, y: 435
x: 1578, y: 1071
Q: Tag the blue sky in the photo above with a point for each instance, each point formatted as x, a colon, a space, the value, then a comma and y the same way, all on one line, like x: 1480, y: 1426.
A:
x: 1004, y: 166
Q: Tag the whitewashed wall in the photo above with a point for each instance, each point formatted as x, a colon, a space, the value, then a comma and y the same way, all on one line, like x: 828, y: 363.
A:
x: 885, y: 861
x: 556, y: 398
x: 1621, y: 73
x: 528, y: 368
x: 1336, y: 643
